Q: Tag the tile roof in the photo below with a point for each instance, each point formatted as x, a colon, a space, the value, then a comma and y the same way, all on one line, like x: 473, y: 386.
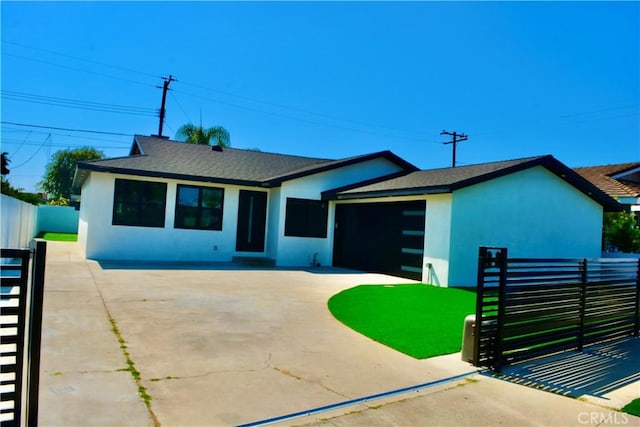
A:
x: 603, y: 178
x: 170, y: 159
x: 447, y: 180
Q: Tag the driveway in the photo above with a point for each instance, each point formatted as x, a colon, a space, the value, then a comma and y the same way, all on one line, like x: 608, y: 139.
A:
x: 228, y: 346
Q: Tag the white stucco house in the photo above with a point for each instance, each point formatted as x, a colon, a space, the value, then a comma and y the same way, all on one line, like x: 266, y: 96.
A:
x: 170, y: 201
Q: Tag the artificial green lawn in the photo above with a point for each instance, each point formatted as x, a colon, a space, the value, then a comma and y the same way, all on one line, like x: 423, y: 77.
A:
x: 419, y: 320
x: 59, y: 237
x: 633, y: 408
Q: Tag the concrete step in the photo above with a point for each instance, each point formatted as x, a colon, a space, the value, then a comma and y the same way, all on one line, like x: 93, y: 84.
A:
x: 252, y: 261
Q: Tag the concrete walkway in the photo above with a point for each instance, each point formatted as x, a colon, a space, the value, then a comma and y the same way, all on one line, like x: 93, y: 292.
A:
x: 208, y: 347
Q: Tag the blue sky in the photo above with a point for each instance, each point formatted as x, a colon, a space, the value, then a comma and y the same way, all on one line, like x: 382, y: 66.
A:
x: 326, y: 79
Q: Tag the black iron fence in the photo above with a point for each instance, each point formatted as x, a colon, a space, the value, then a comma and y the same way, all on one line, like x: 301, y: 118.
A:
x: 21, y: 297
x: 532, y: 307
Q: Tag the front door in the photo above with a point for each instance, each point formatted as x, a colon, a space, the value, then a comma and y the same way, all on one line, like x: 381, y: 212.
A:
x: 252, y: 216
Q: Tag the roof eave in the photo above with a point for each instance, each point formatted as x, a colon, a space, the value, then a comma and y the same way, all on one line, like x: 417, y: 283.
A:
x: 332, y: 193
x: 622, y: 173
x: 422, y: 191
x: 406, y: 166
x: 168, y: 175
x: 589, y: 189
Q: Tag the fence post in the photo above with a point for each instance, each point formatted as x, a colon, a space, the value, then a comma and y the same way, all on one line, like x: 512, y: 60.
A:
x: 482, y: 256
x: 583, y: 301
x: 35, y: 330
x: 501, y: 263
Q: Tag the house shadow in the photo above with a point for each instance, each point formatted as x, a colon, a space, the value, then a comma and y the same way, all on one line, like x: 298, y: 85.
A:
x: 596, y: 371
x: 213, y: 266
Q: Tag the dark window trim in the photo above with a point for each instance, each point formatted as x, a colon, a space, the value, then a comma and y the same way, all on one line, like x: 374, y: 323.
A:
x: 116, y: 221
x: 308, y: 229
x: 199, y: 208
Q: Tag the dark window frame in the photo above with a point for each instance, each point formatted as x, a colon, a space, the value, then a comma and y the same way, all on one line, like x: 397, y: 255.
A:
x: 306, y: 218
x: 133, y: 211
x: 199, y: 210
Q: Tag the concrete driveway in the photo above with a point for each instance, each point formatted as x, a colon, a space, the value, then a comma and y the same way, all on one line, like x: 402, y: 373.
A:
x: 226, y: 346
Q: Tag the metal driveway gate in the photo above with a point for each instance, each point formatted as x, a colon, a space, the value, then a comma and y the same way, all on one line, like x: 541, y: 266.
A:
x: 532, y: 307
x: 21, y: 296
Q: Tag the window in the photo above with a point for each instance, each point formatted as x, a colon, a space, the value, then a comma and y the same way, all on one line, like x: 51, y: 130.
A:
x: 199, y: 207
x: 139, y: 203
x: 306, y: 218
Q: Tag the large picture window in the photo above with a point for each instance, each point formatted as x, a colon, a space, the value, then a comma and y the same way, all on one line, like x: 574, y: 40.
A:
x: 139, y: 203
x: 199, y: 207
x: 306, y: 218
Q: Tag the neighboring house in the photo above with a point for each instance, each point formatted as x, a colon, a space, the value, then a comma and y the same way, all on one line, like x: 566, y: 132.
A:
x: 170, y: 201
x: 620, y: 181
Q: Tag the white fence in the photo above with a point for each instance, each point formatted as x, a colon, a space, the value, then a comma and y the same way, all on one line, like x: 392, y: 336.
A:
x: 20, y: 221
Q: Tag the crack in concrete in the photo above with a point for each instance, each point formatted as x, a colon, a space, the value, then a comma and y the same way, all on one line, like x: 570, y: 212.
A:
x: 223, y: 371
x: 139, y: 300
x: 308, y: 381
x: 88, y: 371
x: 142, y: 391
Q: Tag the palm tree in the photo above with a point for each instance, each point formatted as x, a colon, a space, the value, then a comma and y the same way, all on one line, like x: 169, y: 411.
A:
x: 5, y: 163
x: 193, y: 134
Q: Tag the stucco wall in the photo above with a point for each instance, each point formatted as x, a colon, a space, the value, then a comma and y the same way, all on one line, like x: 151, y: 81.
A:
x: 271, y: 237
x: 60, y: 219
x: 299, y: 251
x: 533, y: 213
x: 102, y: 240
x: 86, y: 202
x: 437, y: 240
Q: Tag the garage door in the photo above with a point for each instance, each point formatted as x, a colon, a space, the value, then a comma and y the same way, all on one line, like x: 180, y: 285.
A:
x: 381, y: 237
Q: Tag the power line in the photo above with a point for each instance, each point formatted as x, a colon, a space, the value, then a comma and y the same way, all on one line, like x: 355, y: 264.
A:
x: 304, y: 120
x: 601, y: 110
x: 67, y: 135
x: 302, y: 110
x: 180, y: 106
x: 287, y: 107
x: 282, y: 106
x: 76, y: 69
x: 78, y: 104
x: 77, y: 58
x: 20, y: 146
x: 13, y: 141
x: 34, y: 154
x: 278, y: 105
x: 65, y: 129
x: 560, y: 121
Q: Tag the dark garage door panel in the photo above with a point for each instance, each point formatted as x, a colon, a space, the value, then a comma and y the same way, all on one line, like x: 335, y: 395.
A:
x: 381, y: 237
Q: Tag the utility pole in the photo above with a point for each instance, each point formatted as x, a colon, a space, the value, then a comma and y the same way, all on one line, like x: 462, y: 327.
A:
x: 457, y: 137
x: 165, y: 88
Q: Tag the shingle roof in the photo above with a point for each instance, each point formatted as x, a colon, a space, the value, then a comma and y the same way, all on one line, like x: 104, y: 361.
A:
x: 603, y: 178
x: 447, y: 180
x: 169, y: 159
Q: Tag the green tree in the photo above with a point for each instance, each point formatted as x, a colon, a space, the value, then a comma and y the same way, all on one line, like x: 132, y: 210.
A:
x: 58, y: 177
x: 11, y: 191
x: 193, y: 134
x: 621, y: 230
